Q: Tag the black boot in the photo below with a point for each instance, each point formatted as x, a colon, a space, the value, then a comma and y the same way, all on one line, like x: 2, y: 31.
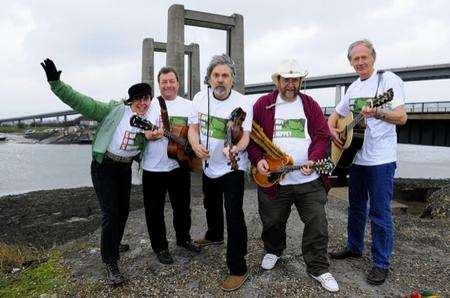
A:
x: 164, y: 257
x: 377, y: 276
x: 123, y: 248
x: 190, y: 245
x: 113, y: 274
x: 344, y: 254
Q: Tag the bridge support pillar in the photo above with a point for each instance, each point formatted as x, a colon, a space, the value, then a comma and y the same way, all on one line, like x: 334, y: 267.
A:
x: 337, y: 95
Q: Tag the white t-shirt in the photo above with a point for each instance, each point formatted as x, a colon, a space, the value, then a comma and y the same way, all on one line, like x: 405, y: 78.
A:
x: 180, y: 112
x: 122, y: 142
x: 290, y: 134
x: 380, y: 138
x: 220, y: 112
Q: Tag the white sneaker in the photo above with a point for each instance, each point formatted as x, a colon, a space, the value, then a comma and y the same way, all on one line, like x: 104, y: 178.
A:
x: 269, y: 261
x: 327, y: 281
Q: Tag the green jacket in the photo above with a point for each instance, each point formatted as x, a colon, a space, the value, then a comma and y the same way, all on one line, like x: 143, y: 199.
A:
x: 107, y: 114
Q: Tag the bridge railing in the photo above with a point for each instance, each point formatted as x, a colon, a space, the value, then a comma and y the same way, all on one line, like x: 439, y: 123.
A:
x: 414, y: 107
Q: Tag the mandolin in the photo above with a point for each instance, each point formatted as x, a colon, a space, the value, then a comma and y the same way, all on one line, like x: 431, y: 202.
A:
x: 178, y: 148
x: 278, y: 168
x: 352, y: 137
x: 234, y: 134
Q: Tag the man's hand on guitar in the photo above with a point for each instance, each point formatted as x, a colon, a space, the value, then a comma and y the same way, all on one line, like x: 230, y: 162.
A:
x: 369, y: 112
x: 200, y: 151
x: 335, y: 137
x: 306, y: 170
x: 154, y: 134
x: 263, y: 167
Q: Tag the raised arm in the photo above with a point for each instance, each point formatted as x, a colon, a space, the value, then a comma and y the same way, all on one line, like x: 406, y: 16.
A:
x: 81, y: 103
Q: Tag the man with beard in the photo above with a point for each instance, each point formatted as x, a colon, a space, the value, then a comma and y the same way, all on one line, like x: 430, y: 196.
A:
x: 295, y: 125
x: 114, y: 148
x: 372, y: 172
x: 162, y: 174
x: 221, y: 184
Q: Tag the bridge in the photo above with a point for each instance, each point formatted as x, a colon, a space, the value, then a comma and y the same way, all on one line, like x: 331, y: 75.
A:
x: 428, y: 123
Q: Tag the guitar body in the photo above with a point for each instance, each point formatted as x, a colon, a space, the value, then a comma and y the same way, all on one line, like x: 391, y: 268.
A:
x: 274, y: 164
x: 353, y: 136
x: 352, y: 140
x: 183, y: 154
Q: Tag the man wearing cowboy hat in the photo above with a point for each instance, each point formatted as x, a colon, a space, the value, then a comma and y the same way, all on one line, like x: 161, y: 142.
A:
x: 294, y: 122
x: 114, y: 148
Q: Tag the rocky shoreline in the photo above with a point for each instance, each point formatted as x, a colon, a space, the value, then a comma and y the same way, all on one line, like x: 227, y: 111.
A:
x: 69, y: 219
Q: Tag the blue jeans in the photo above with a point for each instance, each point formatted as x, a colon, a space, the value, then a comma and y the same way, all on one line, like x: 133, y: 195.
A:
x: 376, y: 183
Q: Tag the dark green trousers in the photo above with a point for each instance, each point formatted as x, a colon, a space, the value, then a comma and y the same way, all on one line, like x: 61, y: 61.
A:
x: 309, y: 199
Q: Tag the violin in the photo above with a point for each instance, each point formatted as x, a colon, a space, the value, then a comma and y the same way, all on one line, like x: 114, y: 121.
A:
x: 234, y: 134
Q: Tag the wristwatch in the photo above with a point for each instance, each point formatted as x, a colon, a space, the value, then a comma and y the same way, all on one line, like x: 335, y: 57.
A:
x: 379, y: 114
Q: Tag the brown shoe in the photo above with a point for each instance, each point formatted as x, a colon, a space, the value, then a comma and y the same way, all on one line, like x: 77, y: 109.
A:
x: 205, y: 242
x: 233, y: 282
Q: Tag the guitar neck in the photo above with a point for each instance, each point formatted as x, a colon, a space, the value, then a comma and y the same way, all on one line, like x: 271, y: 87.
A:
x: 287, y: 169
x: 355, y: 121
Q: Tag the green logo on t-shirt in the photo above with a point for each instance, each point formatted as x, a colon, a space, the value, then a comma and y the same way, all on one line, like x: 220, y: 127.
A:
x: 290, y: 128
x: 357, y: 104
x: 217, y: 126
x: 177, y: 121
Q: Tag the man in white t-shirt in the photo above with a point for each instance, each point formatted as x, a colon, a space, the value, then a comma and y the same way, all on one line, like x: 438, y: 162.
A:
x: 372, y: 172
x: 162, y: 174
x: 295, y: 124
x: 221, y: 184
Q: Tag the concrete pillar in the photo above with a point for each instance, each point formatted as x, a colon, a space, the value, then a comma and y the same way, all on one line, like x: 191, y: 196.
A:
x: 65, y: 118
x: 235, y: 49
x: 337, y: 96
x: 194, y: 71
x: 148, y: 62
x: 175, y: 42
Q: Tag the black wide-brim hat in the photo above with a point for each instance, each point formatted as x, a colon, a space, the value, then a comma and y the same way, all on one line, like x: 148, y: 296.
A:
x: 138, y: 91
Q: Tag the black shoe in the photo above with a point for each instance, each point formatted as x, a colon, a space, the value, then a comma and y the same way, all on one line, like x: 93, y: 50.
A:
x: 190, y: 245
x: 344, y: 254
x: 113, y: 274
x: 377, y: 276
x: 164, y: 257
x: 123, y: 248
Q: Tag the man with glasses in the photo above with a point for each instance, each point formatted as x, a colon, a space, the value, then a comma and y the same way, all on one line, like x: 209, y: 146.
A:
x: 294, y: 123
x: 114, y: 148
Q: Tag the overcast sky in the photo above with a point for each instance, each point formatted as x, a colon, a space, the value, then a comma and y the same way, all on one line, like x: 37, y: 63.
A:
x: 98, y: 44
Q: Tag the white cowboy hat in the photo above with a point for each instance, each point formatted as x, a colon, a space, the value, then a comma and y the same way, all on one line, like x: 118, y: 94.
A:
x: 289, y: 69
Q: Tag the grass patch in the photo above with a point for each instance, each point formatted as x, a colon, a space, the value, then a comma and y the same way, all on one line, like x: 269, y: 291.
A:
x: 44, y: 275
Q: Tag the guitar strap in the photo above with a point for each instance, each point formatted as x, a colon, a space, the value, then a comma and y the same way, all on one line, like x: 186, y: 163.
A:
x: 164, y: 114
x: 380, y: 77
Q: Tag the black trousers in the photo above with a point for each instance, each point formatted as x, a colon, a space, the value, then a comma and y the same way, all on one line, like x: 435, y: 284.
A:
x: 112, y: 184
x: 231, y: 187
x: 156, y: 184
x: 309, y: 199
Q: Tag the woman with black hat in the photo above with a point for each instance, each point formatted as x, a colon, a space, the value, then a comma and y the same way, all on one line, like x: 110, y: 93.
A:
x: 114, y: 148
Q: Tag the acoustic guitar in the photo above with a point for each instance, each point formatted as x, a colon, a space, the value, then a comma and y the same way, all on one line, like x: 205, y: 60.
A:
x: 278, y: 168
x: 178, y: 147
x: 353, y: 137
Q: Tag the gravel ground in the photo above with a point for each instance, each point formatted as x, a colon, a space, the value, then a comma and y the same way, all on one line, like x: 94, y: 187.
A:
x: 48, y: 218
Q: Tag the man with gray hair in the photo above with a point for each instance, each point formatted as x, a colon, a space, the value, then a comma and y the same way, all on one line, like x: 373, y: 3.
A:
x: 372, y: 172
x: 222, y: 185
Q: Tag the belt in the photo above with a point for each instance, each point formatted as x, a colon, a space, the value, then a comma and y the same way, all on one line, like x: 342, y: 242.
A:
x: 118, y: 158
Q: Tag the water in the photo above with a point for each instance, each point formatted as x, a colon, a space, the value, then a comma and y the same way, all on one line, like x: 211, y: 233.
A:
x: 28, y: 167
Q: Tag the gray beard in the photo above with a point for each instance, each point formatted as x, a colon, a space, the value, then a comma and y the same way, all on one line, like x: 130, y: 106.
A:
x: 220, y: 91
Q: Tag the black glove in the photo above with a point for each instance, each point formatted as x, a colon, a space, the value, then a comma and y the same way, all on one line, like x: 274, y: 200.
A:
x: 50, y: 70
